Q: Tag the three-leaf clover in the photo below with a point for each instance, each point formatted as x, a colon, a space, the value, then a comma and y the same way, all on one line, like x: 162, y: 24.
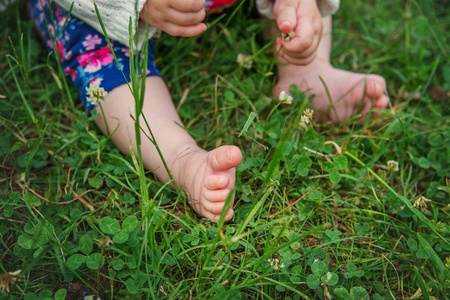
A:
x: 339, y: 163
x: 362, y: 229
x: 332, y: 235
x: 352, y: 272
x: 356, y: 293
x: 320, y: 275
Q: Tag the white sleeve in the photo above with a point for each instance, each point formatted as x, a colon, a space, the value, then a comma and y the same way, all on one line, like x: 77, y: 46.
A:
x: 326, y: 7
x: 115, y: 15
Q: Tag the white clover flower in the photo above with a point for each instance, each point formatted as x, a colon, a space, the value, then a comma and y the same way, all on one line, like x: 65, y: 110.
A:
x: 304, y: 119
x: 307, y: 116
x: 275, y: 264
x: 288, y: 36
x: 392, y: 165
x: 244, y: 60
x: 308, y: 113
x: 95, y: 93
x: 7, y: 280
x: 421, y: 202
x: 285, y: 98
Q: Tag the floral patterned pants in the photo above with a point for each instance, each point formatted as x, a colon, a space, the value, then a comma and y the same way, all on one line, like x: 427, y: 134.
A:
x: 84, y: 52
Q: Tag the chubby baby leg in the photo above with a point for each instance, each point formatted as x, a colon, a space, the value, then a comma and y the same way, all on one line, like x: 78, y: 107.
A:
x: 207, y: 177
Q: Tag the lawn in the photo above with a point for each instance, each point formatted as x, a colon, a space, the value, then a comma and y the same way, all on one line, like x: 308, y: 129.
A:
x: 343, y: 211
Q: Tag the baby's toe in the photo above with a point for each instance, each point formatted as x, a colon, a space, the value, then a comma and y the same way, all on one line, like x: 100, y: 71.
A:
x: 377, y: 78
x: 215, y: 182
x: 216, y: 209
x: 214, y: 196
x: 210, y: 216
x: 224, y: 158
x: 375, y: 86
x: 228, y: 216
x: 376, y: 92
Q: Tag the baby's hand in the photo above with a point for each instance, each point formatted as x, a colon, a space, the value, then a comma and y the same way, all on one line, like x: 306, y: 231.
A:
x: 175, y: 17
x: 303, y: 18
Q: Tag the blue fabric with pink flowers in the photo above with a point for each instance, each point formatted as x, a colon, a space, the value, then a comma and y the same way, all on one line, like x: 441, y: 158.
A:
x: 215, y: 5
x: 84, y: 53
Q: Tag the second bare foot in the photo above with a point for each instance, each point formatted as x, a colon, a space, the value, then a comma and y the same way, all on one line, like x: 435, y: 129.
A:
x: 351, y: 93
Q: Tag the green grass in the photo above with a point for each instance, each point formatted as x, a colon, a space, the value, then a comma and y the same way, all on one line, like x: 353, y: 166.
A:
x: 70, y: 203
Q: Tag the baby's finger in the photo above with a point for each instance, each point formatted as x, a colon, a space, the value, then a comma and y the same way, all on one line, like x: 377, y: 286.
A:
x: 299, y: 58
x: 188, y: 5
x: 286, y: 16
x: 303, y: 61
x: 308, y: 51
x: 185, y: 18
x: 184, y: 31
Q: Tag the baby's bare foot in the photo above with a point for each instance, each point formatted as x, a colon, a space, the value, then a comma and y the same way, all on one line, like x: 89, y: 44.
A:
x: 208, y: 178
x: 351, y: 93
